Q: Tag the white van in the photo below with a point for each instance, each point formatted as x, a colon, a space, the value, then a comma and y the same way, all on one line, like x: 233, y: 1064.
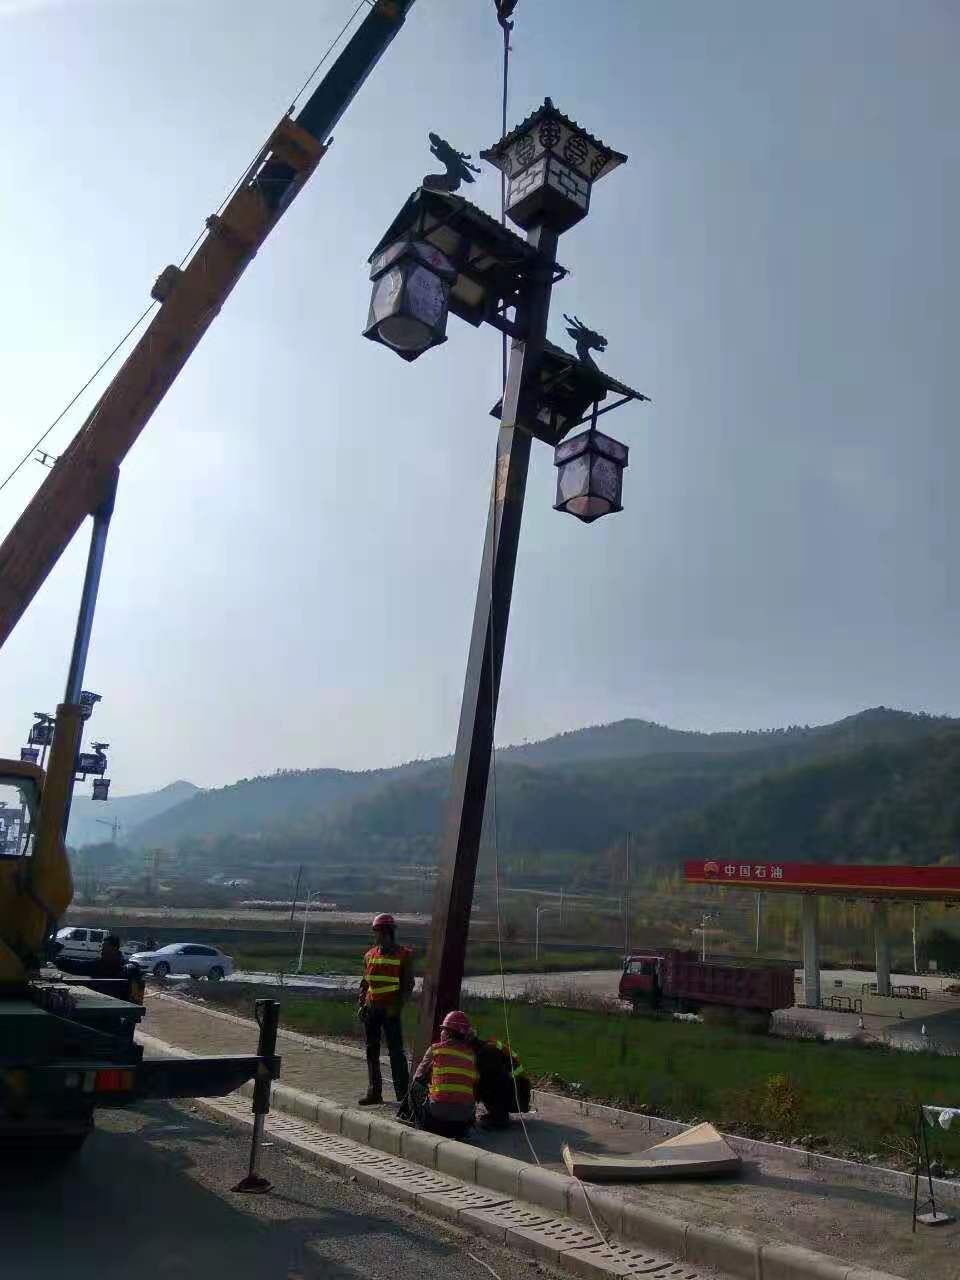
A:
x: 81, y: 943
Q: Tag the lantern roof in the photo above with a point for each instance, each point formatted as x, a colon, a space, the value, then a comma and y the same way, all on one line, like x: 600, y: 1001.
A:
x: 491, y: 261
x: 459, y: 214
x: 563, y: 391
x: 495, y: 153
x: 587, y: 371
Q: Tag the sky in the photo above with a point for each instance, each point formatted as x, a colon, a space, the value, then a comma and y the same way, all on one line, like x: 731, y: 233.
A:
x: 292, y: 565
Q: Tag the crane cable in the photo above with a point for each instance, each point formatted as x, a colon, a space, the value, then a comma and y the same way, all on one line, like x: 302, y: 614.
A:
x: 143, y: 315
x: 507, y: 28
x: 494, y: 814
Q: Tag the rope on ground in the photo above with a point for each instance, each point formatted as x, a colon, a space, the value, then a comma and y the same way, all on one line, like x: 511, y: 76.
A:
x: 483, y: 1264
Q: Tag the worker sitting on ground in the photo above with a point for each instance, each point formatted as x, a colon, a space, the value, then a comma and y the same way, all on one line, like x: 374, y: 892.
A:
x: 503, y: 1084
x: 387, y: 982
x: 444, y: 1089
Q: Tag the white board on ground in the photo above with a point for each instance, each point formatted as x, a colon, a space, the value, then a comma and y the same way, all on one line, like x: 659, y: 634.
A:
x: 699, y: 1152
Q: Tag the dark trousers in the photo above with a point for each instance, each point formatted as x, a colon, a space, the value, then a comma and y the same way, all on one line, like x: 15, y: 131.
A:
x: 420, y: 1108
x: 379, y: 1022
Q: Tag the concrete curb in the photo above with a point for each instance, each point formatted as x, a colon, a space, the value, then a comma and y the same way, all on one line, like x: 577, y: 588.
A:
x: 735, y: 1253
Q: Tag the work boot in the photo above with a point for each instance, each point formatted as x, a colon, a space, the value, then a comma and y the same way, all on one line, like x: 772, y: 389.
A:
x: 370, y: 1099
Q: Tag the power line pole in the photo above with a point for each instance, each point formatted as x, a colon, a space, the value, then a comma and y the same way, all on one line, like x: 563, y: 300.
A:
x: 916, y: 967
x: 296, y: 890
x: 626, y: 896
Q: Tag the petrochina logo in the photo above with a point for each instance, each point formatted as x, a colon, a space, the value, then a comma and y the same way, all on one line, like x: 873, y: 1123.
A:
x: 711, y: 869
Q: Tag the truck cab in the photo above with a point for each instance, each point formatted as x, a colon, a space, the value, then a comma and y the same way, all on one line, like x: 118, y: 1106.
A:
x: 641, y: 981
x: 35, y: 882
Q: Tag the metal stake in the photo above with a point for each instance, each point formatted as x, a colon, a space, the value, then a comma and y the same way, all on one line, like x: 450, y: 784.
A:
x: 460, y: 842
x: 268, y: 1017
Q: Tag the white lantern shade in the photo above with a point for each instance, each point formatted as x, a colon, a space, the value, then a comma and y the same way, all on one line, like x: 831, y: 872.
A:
x: 590, y: 475
x: 411, y: 293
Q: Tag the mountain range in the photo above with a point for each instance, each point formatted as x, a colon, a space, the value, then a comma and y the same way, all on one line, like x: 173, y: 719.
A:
x: 90, y: 820
x: 875, y: 786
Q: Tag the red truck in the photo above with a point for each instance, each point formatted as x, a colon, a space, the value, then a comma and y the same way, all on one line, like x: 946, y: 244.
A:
x: 681, y: 980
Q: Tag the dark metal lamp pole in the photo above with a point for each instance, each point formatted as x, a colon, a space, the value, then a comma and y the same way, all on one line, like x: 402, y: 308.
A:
x: 443, y: 256
x: 550, y: 164
x: 460, y: 847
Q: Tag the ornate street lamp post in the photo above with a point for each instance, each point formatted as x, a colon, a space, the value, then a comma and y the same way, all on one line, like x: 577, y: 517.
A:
x: 483, y: 272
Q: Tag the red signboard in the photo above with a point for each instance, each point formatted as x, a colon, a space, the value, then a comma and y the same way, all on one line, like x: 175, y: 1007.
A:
x: 817, y: 877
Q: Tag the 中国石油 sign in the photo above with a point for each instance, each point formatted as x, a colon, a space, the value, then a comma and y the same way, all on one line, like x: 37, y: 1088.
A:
x: 822, y: 877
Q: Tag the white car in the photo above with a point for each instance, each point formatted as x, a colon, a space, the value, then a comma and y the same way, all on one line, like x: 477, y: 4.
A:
x: 80, y: 943
x: 187, y: 959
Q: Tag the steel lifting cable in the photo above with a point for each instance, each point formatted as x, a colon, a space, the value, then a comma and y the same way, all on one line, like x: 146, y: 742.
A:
x: 507, y: 27
x: 140, y: 319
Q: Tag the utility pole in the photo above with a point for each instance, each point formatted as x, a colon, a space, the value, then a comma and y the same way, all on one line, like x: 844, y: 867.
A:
x: 296, y: 890
x: 759, y: 901
x: 916, y: 967
x: 626, y: 896
x: 113, y: 824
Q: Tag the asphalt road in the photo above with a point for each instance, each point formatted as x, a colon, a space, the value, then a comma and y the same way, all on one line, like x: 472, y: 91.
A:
x: 148, y: 1199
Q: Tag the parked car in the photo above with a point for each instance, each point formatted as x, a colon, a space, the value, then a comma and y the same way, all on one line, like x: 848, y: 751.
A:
x: 78, y: 943
x: 131, y: 947
x: 185, y: 958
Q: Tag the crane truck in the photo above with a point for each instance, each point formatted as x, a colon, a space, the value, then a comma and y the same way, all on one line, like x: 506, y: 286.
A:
x: 67, y: 1044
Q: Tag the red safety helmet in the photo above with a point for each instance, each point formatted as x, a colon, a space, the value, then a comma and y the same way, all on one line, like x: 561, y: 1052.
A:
x: 384, y: 921
x: 457, y: 1022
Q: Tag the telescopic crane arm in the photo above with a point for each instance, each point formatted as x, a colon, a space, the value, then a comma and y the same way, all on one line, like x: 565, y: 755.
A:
x: 190, y: 299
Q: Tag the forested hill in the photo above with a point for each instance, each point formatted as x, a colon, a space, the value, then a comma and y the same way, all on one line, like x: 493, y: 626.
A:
x: 678, y: 791
x: 626, y: 739
x: 880, y: 804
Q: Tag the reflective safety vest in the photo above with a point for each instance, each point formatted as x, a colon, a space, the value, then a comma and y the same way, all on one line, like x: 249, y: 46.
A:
x: 453, y: 1075
x: 382, y: 973
x: 515, y: 1063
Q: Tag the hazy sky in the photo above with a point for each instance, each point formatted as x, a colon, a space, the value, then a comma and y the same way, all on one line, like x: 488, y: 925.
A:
x: 292, y: 565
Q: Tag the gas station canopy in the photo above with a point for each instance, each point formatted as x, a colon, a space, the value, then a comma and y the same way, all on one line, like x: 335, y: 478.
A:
x: 909, y: 884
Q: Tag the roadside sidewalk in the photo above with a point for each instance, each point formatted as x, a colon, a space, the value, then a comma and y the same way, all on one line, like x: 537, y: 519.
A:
x: 780, y: 1202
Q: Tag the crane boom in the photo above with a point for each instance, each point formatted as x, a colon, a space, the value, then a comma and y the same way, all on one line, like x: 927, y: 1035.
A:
x: 190, y: 300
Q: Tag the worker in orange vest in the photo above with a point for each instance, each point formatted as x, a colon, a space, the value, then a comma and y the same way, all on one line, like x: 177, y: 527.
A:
x: 444, y: 1089
x: 387, y: 981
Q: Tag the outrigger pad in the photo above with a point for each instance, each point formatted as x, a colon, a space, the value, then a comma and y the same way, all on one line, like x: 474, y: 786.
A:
x: 934, y: 1219
x: 700, y: 1152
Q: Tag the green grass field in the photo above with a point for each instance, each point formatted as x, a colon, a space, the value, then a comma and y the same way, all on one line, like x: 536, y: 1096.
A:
x: 852, y: 1101
x: 345, y: 958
